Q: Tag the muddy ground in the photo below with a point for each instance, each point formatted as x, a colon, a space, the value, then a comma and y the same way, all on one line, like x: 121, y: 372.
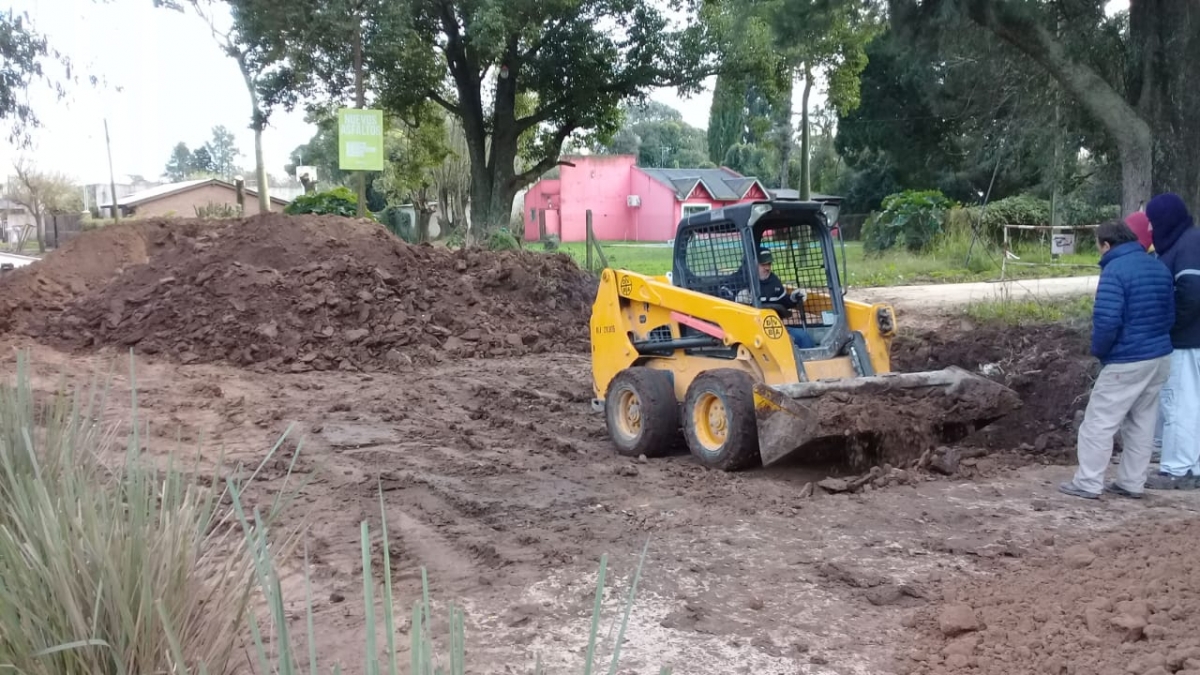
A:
x: 458, y: 384
x: 500, y: 481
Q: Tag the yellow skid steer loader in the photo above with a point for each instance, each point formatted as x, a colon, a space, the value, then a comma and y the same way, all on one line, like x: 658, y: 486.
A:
x: 750, y: 347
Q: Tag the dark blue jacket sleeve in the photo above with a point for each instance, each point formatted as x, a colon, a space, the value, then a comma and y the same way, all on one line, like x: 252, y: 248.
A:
x: 1187, y: 297
x: 1108, y: 315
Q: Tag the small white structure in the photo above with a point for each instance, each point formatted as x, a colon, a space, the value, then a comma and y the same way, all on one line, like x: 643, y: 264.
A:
x: 15, y: 260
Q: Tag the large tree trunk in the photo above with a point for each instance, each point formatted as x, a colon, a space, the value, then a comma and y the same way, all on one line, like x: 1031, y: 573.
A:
x: 1165, y: 63
x: 40, y: 219
x: 805, y: 139
x: 260, y: 170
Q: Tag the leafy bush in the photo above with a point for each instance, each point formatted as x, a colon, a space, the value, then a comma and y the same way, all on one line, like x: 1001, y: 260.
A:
x: 551, y: 242
x: 911, y: 219
x: 1028, y: 210
x: 340, y: 201
x: 502, y: 240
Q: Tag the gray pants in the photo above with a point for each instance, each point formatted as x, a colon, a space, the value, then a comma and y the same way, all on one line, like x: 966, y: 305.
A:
x: 1125, y: 399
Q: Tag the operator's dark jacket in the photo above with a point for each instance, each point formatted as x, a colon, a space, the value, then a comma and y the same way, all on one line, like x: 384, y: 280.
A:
x: 1135, y: 307
x: 1177, y: 243
x: 771, y: 290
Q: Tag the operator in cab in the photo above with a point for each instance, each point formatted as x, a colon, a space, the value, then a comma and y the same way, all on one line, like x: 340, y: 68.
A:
x: 773, y: 292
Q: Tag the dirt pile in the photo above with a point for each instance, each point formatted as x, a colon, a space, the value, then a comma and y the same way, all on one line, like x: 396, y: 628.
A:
x: 1096, y: 609
x: 82, y: 264
x: 318, y: 293
x: 1048, y: 366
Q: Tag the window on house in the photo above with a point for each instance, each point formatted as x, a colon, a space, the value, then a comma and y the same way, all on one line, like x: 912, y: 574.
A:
x: 692, y: 209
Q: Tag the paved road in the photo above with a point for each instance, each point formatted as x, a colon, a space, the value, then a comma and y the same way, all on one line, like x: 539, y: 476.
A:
x: 942, y: 295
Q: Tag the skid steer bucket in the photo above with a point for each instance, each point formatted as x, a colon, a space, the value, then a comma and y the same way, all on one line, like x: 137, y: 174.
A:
x: 882, y: 418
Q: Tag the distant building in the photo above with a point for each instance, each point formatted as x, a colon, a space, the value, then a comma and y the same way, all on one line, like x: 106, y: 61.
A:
x: 629, y: 202
x: 183, y: 199
x: 14, y: 218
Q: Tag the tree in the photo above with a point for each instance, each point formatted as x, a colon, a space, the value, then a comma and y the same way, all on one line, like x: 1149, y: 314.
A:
x: 223, y: 151
x: 264, y: 71
x: 42, y: 193
x: 577, y: 59
x: 927, y: 120
x: 826, y: 38
x: 1141, y: 93
x: 414, y: 152
x: 24, y: 55
x: 657, y: 134
x: 181, y: 165
x: 201, y: 162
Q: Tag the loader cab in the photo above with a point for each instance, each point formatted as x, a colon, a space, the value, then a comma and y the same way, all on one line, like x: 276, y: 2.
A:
x: 716, y: 253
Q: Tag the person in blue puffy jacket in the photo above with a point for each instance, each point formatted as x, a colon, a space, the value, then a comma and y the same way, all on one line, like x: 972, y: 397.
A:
x: 1177, y: 242
x: 1131, y: 335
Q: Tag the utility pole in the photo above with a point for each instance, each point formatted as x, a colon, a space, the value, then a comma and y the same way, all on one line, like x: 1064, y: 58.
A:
x: 360, y: 100
x: 112, y: 178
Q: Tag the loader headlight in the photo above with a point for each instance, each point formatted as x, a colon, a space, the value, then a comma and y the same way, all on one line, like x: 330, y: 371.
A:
x: 887, y: 323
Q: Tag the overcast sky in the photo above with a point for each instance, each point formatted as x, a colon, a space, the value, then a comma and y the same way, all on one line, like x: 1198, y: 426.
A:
x: 176, y: 85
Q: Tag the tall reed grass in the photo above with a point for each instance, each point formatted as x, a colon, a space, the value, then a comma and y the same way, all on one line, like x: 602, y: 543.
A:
x: 111, y: 564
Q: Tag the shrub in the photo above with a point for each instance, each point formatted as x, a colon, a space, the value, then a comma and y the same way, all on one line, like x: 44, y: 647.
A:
x: 399, y: 222
x: 1029, y: 210
x: 502, y: 240
x: 551, y: 242
x: 340, y: 201
x: 911, y: 219
x: 109, y: 571
x: 140, y: 570
x: 215, y: 210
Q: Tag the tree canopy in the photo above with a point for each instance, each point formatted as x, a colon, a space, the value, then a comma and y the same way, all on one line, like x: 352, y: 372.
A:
x: 574, y: 61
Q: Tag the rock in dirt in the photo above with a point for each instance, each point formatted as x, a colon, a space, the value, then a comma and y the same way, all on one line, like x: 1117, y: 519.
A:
x: 957, y: 619
x: 275, y: 291
x: 834, y: 485
x: 946, y: 460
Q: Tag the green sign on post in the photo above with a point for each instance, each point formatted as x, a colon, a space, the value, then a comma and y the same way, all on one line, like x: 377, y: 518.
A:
x: 360, y: 139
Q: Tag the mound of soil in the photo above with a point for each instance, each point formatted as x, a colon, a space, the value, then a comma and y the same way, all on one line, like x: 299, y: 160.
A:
x: 1102, y: 608
x: 316, y: 293
x: 1047, y: 365
x: 82, y: 264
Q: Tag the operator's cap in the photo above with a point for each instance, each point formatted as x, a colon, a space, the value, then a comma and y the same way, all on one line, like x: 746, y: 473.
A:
x: 764, y: 256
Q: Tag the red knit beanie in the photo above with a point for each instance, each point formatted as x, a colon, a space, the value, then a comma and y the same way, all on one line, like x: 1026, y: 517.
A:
x: 1140, y: 224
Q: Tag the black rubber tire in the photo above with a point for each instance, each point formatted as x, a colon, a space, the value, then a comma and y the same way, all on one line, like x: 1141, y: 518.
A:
x: 659, y: 412
x: 735, y: 389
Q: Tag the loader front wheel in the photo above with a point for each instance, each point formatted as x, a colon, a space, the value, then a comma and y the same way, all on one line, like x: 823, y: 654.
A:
x: 719, y: 422
x: 642, y: 413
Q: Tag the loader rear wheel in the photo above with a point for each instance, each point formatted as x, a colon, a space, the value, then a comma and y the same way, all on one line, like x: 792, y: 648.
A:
x: 719, y: 422
x: 642, y: 413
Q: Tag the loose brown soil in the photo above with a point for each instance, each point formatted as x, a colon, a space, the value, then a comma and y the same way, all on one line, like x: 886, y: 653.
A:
x: 308, y: 293
x: 499, y: 480
x: 1048, y: 366
x: 1099, y: 607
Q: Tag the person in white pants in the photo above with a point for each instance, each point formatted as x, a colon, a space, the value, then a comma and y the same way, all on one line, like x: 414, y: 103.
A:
x: 1131, y: 335
x: 1177, y: 243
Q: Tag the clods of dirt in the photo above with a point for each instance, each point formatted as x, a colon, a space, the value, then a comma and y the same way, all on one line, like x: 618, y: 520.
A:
x: 1103, y: 607
x: 84, y: 263
x: 1047, y: 365
x: 313, y: 293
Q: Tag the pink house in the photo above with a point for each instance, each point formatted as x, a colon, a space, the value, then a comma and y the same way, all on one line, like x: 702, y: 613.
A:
x: 628, y: 202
